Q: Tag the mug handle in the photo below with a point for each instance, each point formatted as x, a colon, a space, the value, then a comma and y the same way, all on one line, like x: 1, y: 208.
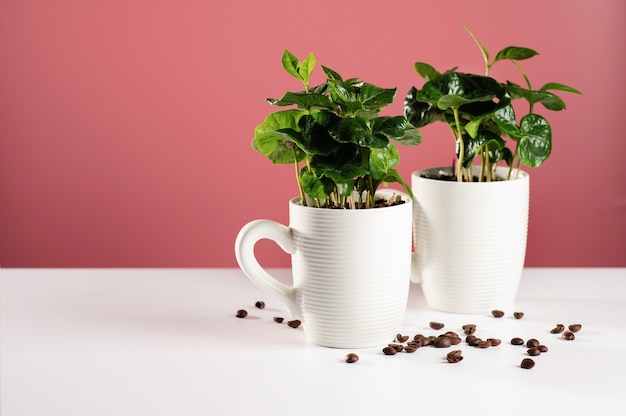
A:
x: 244, y: 252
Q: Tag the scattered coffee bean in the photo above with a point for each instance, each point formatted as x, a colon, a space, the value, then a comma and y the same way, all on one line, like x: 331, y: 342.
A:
x: 558, y: 329
x: 278, y: 319
x: 260, y: 304
x: 242, y: 313
x: 442, y: 342
x: 484, y: 344
x: 294, y: 324
x: 494, y: 341
x: 425, y: 341
x: 534, y: 351
x: 527, y: 363
x: 470, y: 338
x: 352, y: 358
x: 451, y: 334
x: 575, y: 327
x: 436, y: 325
x: 397, y: 347
x: 474, y: 341
x: 389, y: 350
x: 532, y: 343
x: 543, y: 348
x: 411, y: 348
x: 518, y: 315
x: 517, y: 341
x: 402, y: 338
x: 568, y: 336
x: 454, y: 356
x: 469, y: 329
x: 497, y: 313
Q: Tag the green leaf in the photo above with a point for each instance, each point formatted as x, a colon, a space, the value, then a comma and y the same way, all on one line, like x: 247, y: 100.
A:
x: 505, y: 119
x: 291, y: 63
x: 333, y: 75
x: 426, y: 71
x: 382, y: 161
x: 306, y: 68
x: 276, y: 145
x: 547, y: 99
x: 389, y: 126
x: 410, y: 137
x: 374, y: 97
x: 515, y: 53
x: 455, y: 101
x: 304, y: 100
x: 536, y: 142
x: 559, y: 87
x: 315, y: 187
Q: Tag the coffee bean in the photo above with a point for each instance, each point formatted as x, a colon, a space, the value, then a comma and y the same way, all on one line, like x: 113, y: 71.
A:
x: 470, y: 338
x: 494, y: 341
x: 402, y: 338
x: 558, y: 329
x: 411, y: 348
x: 475, y: 341
x: 534, y: 351
x: 278, y: 319
x: 451, y: 334
x: 442, y: 342
x: 484, y: 344
x: 260, y: 304
x: 575, y: 327
x: 469, y: 329
x: 518, y: 315
x: 352, y: 358
x: 532, y: 343
x: 527, y: 363
x: 436, y: 325
x: 397, y: 347
x: 242, y: 313
x: 543, y: 348
x: 517, y: 341
x: 568, y: 336
x: 417, y: 337
x: 294, y: 324
x: 497, y: 313
x: 389, y: 350
x: 426, y: 341
x: 454, y: 356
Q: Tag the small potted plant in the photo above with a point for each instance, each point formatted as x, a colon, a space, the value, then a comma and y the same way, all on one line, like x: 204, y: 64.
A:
x: 349, y: 240
x: 471, y: 218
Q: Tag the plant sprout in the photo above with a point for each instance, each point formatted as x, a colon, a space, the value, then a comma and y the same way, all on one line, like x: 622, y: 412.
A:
x: 479, y: 111
x: 339, y: 145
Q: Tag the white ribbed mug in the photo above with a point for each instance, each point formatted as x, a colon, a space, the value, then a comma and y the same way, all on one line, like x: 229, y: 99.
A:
x: 470, y: 240
x: 351, y: 270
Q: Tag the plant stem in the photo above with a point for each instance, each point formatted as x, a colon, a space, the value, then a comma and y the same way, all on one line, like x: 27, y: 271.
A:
x: 297, y: 167
x: 459, y: 141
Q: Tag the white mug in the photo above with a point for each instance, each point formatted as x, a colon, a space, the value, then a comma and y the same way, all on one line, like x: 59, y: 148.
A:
x: 470, y: 241
x: 351, y: 270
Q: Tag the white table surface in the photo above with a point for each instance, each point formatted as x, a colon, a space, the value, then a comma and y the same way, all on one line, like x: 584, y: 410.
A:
x: 167, y: 342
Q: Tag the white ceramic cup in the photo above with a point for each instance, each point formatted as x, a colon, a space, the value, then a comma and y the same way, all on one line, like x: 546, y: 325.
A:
x: 351, y: 270
x: 470, y: 241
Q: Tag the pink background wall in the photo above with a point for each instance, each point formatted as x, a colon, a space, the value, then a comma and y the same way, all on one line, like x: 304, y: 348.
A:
x: 125, y: 126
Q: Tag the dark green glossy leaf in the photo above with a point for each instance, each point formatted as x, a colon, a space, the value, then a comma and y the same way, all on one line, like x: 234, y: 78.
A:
x: 389, y: 126
x: 547, y: 99
x: 410, y: 137
x: 426, y: 71
x: 515, y: 53
x: 505, y: 119
x: 418, y: 113
x: 332, y: 74
x: 536, y: 142
x: 374, y: 97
